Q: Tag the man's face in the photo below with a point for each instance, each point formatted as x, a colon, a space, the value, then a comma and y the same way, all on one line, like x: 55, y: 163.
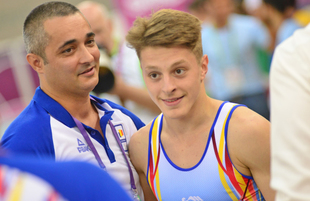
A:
x: 174, y: 79
x: 72, y: 55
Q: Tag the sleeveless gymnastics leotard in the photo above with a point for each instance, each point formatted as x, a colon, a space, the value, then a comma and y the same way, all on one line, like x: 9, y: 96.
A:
x: 213, y: 178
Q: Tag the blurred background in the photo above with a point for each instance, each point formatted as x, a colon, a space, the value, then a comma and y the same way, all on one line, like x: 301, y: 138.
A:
x: 14, y: 12
x: 17, y: 79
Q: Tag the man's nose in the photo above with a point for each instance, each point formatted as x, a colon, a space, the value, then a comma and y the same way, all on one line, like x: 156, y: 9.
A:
x: 168, y: 85
x: 86, y: 55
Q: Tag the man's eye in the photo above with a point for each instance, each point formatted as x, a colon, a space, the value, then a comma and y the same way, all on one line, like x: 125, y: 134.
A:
x: 67, y: 50
x: 154, y: 75
x: 91, y: 42
x: 179, y: 71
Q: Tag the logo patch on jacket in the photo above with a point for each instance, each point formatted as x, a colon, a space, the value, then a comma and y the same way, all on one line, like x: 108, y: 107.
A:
x: 122, y: 136
x: 82, y: 147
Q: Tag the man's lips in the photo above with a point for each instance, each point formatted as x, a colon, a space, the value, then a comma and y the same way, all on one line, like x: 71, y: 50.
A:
x: 87, y: 70
x: 170, y: 100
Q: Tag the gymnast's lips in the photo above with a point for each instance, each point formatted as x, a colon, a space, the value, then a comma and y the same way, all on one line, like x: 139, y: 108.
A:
x: 172, y: 101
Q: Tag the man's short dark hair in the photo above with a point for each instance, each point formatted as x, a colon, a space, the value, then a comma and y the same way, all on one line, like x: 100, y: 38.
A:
x: 35, y: 37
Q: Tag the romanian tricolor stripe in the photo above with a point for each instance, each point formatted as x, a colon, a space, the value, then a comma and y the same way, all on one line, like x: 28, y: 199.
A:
x: 237, y: 186
x: 121, y: 134
x: 154, y: 154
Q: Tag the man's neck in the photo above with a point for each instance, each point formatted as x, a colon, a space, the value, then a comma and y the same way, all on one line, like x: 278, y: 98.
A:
x: 83, y: 110
x: 79, y: 108
x: 78, y: 105
x: 199, y: 117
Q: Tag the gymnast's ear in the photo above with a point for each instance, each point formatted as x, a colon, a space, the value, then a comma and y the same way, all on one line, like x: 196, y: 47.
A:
x: 204, y: 66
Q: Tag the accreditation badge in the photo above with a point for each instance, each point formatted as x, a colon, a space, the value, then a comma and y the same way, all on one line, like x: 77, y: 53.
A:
x: 121, y: 135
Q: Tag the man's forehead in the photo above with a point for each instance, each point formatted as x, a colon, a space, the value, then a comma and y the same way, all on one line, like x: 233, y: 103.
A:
x: 153, y: 57
x: 63, y: 19
x: 62, y: 23
x: 61, y: 29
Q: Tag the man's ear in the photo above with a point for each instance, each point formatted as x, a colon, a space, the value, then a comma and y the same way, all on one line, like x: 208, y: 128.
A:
x: 36, y: 62
x: 204, y: 66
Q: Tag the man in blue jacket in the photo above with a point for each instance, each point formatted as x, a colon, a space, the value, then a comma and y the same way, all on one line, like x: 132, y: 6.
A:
x: 63, y: 121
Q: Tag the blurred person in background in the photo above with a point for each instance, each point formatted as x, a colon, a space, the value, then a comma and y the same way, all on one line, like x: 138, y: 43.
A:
x: 200, y: 9
x: 302, y: 14
x: 281, y: 18
x: 278, y: 16
x: 231, y: 42
x: 63, y: 121
x: 102, y: 25
x: 128, y: 87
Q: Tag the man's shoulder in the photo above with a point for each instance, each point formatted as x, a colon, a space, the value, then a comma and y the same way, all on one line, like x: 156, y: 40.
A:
x: 29, y: 119
x: 28, y: 130
x: 247, y: 125
x: 143, y: 133
x: 138, y: 148
x: 107, y: 104
x: 247, y: 138
x: 243, y: 116
x: 140, y: 140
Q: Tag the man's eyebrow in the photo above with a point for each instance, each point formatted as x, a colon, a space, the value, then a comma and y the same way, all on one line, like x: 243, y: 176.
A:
x: 151, y: 67
x: 88, y: 35
x: 178, y: 63
x: 67, y: 43
x: 173, y: 65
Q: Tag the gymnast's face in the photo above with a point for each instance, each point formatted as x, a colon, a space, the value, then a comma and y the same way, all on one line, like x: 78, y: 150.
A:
x: 174, y: 79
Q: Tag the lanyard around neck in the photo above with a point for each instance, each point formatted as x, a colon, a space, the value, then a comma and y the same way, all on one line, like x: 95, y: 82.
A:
x: 93, y: 149
x: 89, y: 142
